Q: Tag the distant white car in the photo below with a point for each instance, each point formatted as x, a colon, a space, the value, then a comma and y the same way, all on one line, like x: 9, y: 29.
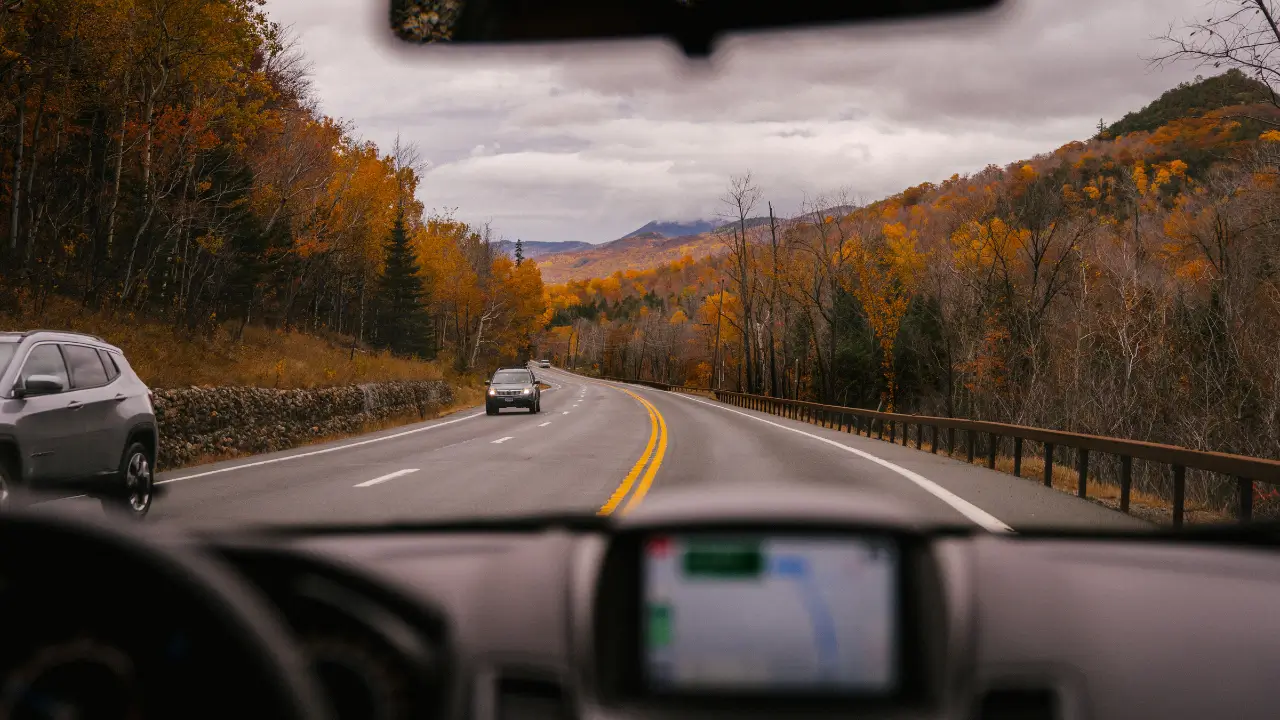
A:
x: 544, y: 363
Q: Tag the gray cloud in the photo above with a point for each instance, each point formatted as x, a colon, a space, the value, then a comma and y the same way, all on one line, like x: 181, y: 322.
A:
x: 587, y: 143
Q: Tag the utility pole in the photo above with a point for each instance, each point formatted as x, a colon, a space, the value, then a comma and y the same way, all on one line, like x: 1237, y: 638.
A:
x: 719, y: 314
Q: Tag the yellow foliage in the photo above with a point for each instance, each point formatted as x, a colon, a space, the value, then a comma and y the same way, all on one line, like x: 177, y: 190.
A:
x: 977, y: 244
x: 1140, y: 177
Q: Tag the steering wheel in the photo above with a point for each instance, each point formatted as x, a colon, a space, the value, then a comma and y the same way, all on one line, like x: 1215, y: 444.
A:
x: 101, y: 621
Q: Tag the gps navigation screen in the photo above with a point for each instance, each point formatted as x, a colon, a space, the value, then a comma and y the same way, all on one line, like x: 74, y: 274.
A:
x: 771, y: 614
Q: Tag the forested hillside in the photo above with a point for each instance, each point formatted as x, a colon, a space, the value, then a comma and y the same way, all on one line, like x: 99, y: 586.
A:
x: 1127, y: 286
x: 166, y: 158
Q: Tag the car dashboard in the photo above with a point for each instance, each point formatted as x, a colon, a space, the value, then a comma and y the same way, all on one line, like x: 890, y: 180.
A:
x: 762, y: 607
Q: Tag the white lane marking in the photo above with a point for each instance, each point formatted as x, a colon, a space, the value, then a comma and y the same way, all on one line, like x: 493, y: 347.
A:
x: 544, y: 424
x: 566, y: 412
x: 388, y: 476
x: 499, y: 441
x: 979, y: 516
x: 318, y: 452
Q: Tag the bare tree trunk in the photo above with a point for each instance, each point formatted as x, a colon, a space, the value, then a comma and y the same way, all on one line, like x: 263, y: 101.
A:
x: 19, y: 146
x: 115, y: 182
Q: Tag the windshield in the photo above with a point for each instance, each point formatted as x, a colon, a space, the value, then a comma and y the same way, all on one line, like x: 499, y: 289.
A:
x: 819, y: 258
x: 511, y: 376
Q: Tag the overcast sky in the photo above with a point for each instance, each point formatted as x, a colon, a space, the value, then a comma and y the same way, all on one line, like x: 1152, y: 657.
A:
x: 590, y: 143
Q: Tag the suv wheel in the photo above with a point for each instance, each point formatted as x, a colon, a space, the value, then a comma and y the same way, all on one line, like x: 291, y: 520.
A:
x: 490, y: 410
x: 137, y: 484
x: 6, y: 486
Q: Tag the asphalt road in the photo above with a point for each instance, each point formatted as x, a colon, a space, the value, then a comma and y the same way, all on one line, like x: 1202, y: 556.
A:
x: 595, y: 447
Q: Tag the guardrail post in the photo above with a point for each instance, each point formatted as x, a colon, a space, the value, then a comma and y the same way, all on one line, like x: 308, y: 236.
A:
x: 893, y: 430
x: 969, y: 442
x: 1048, y: 465
x: 881, y: 435
x: 1017, y: 457
x: 1082, y: 483
x: 919, y: 437
x: 993, y: 444
x: 933, y: 438
x: 1244, y: 487
x: 1126, y: 481
x: 1179, y: 494
x: 951, y: 441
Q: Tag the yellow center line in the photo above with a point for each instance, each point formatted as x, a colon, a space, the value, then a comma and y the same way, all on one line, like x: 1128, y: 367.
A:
x: 658, y: 437
x: 629, y: 480
x: 643, y: 488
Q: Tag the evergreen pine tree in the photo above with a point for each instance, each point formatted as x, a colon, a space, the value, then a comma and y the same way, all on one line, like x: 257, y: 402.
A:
x: 405, y: 326
x: 519, y: 251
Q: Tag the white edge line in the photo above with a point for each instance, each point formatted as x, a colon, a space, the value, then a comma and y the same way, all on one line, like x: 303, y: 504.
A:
x: 979, y: 516
x: 502, y: 440
x: 544, y: 424
x: 317, y: 452
x: 566, y: 412
x: 387, y: 477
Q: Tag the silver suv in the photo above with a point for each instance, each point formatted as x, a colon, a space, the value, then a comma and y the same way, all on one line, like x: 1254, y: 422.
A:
x: 74, y: 418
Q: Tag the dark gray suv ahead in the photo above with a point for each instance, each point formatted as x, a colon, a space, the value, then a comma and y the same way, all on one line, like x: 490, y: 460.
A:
x: 74, y: 418
x: 512, y: 388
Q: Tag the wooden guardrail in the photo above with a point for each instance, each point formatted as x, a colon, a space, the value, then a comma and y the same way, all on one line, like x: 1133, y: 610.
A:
x: 1245, y: 470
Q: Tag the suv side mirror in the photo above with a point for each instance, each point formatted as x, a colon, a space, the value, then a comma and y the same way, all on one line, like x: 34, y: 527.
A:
x: 486, y: 383
x: 38, y: 385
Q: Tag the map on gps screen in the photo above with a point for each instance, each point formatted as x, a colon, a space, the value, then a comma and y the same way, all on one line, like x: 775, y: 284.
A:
x: 771, y: 614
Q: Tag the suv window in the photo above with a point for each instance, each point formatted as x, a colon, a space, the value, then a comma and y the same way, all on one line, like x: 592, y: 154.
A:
x: 512, y: 376
x: 113, y: 370
x: 45, y: 360
x: 86, y: 366
x: 7, y: 349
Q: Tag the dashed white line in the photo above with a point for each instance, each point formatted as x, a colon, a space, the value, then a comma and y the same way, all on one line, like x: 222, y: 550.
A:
x: 499, y: 441
x: 544, y: 424
x: 976, y: 514
x: 566, y: 412
x: 317, y: 452
x: 388, y: 476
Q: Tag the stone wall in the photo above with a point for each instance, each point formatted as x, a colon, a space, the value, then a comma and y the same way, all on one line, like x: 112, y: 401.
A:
x: 197, y: 422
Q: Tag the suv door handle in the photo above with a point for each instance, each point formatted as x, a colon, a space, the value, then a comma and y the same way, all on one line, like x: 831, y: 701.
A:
x: 121, y: 397
x: 74, y: 405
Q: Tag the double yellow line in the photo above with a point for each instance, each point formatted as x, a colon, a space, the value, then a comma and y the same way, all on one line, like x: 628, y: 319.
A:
x: 654, y: 450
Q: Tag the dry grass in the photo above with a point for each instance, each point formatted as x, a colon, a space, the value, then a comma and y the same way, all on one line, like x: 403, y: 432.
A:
x: 166, y: 357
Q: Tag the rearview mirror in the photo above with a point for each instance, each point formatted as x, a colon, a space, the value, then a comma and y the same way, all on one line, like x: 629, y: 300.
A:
x: 38, y: 385
x: 695, y: 24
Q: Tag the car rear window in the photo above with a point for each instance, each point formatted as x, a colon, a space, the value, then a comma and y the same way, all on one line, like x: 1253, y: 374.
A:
x: 86, y: 366
x: 113, y: 370
x: 511, y: 376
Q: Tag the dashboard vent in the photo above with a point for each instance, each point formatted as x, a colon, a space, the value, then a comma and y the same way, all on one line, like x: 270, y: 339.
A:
x: 526, y: 699
x: 1019, y: 704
